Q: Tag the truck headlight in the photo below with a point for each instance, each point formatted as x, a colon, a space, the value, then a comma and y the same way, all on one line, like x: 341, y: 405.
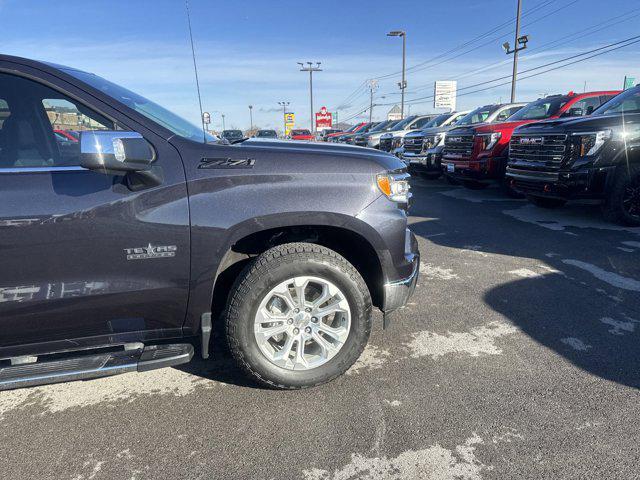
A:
x: 489, y: 140
x: 396, y: 142
x: 589, y: 143
x: 438, y: 139
x: 395, y: 186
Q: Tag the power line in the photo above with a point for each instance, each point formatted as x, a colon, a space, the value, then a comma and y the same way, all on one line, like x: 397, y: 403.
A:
x: 627, y: 42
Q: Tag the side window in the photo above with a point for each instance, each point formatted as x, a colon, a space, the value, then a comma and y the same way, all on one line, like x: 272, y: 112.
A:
x: 506, y: 113
x: 39, y: 126
x: 419, y: 124
x: 585, y: 106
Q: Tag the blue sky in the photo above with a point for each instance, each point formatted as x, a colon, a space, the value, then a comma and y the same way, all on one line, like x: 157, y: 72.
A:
x: 247, y: 50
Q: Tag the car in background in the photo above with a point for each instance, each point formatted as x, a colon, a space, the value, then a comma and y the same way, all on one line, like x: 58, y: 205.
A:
x: 301, y: 134
x: 232, y: 136
x: 322, y: 136
x: 67, y: 135
x: 478, y: 156
x: 354, y: 129
x: 349, y: 137
x: 266, y: 134
x: 420, y: 149
x: 371, y: 138
x: 595, y: 157
x: 391, y: 140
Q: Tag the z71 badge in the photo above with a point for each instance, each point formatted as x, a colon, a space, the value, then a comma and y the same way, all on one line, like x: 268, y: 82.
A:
x: 143, y: 253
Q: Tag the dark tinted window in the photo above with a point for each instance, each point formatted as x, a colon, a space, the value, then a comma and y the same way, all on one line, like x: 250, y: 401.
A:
x: 626, y: 102
x: 540, y: 109
x: 39, y: 125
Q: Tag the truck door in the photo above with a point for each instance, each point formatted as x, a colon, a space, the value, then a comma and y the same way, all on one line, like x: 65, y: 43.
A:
x: 79, y: 250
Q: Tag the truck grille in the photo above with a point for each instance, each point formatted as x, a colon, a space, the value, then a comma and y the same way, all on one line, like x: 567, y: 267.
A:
x: 458, y: 145
x: 360, y: 141
x: 385, y: 144
x: 413, y: 144
x: 546, y: 150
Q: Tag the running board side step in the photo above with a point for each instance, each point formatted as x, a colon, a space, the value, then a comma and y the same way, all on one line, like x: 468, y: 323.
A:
x: 95, y: 365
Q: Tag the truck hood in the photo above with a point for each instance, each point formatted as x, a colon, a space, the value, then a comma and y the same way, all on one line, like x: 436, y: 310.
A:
x: 349, y: 155
x: 581, y: 124
x: 504, y: 127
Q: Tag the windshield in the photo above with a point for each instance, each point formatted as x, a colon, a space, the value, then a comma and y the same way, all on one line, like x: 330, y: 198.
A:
x: 540, y: 109
x: 627, y: 102
x: 439, y: 120
x: 381, y: 126
x: 232, y: 134
x: 300, y: 132
x: 478, y: 115
x: 147, y: 108
x: 403, y: 123
x: 267, y: 133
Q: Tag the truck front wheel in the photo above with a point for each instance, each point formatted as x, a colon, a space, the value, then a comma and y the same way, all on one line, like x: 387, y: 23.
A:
x: 623, y: 204
x: 544, y: 202
x: 299, y: 315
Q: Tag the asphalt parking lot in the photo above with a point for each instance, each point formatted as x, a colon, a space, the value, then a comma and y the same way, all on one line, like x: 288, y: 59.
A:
x: 518, y: 357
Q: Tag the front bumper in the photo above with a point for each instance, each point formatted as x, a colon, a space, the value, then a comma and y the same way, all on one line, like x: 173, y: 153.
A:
x: 592, y: 183
x: 484, y: 170
x: 427, y: 162
x: 398, y: 292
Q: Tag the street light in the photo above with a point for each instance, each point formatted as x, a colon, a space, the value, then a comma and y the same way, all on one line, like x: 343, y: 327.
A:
x: 403, y: 83
x: 284, y: 106
x: 251, y: 116
x: 520, y: 43
x: 223, y: 127
x: 310, y: 69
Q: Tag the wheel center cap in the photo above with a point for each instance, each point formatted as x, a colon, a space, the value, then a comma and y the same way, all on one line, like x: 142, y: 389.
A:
x: 301, y: 319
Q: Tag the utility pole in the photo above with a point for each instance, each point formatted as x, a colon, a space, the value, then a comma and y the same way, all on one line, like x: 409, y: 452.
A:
x: 373, y: 86
x: 310, y: 69
x: 403, y: 83
x: 520, y: 43
x: 251, y: 117
x: 284, y: 106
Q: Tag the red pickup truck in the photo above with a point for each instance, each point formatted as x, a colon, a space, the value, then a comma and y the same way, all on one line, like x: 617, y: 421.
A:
x: 301, y: 135
x: 477, y: 155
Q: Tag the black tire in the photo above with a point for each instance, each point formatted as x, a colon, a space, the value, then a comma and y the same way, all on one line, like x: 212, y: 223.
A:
x: 509, y: 191
x: 268, y: 270
x: 623, y: 203
x: 451, y: 180
x: 473, y: 185
x: 431, y: 175
x: 544, y: 202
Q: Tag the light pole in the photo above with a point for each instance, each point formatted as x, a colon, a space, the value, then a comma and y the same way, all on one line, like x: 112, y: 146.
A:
x: 520, y: 44
x: 373, y: 85
x: 310, y: 69
x: 223, y: 127
x: 284, y: 106
x: 403, y: 83
x: 251, y: 117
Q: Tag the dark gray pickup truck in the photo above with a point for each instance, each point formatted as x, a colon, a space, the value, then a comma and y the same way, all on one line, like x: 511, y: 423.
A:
x: 123, y: 250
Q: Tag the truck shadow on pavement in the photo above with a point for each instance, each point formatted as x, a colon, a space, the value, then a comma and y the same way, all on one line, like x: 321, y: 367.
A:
x: 588, y: 321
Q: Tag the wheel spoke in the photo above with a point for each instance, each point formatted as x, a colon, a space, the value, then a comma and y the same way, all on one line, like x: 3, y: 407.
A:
x: 335, y: 333
x: 268, y: 332
x: 265, y: 316
x: 300, y: 360
x: 285, y: 294
x: 326, y: 347
x: 325, y: 296
x: 285, y: 351
x: 333, y: 307
x: 300, y: 286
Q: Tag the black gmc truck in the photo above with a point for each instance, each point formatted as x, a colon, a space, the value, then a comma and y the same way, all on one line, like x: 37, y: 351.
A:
x: 595, y: 157
x: 123, y: 251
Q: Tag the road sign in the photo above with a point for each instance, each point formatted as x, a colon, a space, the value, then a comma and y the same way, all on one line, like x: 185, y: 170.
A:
x: 444, y: 95
x: 289, y: 122
x: 206, y: 118
x: 629, y: 82
x: 324, y: 119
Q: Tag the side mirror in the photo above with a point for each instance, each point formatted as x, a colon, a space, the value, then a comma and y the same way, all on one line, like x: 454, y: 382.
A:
x: 590, y: 110
x: 114, y: 151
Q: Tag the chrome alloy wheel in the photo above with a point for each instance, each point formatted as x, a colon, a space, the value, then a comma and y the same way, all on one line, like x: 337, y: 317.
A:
x: 302, y: 323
